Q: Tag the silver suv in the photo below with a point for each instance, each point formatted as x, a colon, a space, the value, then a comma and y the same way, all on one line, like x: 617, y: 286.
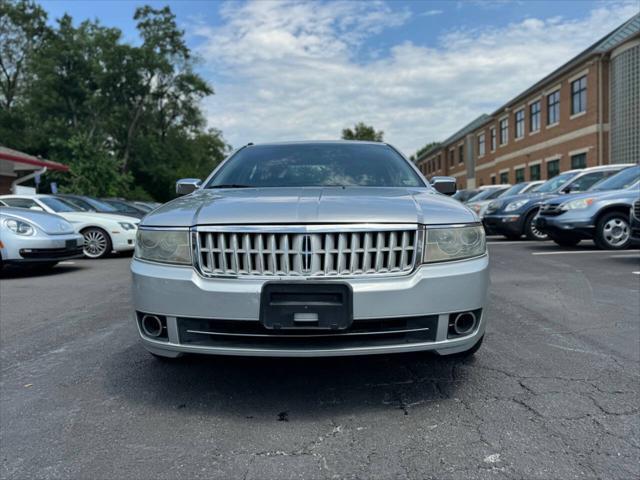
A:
x: 311, y: 249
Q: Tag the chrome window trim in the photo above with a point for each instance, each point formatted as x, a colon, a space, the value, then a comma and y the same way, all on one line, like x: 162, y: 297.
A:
x: 307, y: 228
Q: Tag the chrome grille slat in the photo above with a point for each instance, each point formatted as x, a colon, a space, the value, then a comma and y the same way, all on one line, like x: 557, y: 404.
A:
x: 312, y: 254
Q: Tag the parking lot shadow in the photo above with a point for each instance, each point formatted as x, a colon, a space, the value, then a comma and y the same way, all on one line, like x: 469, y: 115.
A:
x: 284, y: 388
x: 9, y: 272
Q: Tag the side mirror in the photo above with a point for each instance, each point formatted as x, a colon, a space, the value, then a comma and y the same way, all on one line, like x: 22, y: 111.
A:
x: 444, y: 185
x: 185, y: 186
x: 36, y: 208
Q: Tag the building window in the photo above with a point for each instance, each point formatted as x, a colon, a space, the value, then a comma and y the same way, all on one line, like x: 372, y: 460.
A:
x: 493, y: 179
x: 451, y: 152
x: 461, y: 154
x: 553, y: 168
x: 504, y: 177
x: 481, y: 145
x: 519, y: 123
x: 553, y: 108
x: 519, y: 175
x: 534, y: 172
x: 579, y: 95
x: 534, y: 116
x: 439, y: 164
x: 579, y: 161
x: 493, y: 139
x: 504, y: 131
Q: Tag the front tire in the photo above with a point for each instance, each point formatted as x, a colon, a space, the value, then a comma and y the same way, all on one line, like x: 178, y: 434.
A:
x: 613, y: 232
x: 97, y: 243
x: 531, y: 231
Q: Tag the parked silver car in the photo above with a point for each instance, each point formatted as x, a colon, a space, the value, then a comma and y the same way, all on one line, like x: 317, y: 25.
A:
x: 29, y: 237
x: 311, y: 249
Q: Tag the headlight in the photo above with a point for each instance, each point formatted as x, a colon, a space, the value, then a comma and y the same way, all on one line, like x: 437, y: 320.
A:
x: 515, y: 205
x: 577, y: 204
x: 127, y: 226
x: 19, y: 227
x: 163, y: 246
x: 444, y: 244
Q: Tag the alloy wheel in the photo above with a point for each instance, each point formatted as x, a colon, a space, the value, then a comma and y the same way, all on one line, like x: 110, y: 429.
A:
x: 616, y: 232
x: 95, y: 243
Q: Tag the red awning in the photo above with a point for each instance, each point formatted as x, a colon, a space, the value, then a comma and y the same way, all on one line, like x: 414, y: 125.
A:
x: 19, y: 157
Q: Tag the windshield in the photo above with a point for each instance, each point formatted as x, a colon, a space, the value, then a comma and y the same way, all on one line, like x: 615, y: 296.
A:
x: 516, y: 189
x: 620, y: 180
x: 79, y: 204
x: 316, y: 165
x: 535, y: 188
x: 464, y: 195
x: 556, y: 182
x: 486, y: 194
x: 98, y: 205
x: 121, y: 206
x: 58, y: 205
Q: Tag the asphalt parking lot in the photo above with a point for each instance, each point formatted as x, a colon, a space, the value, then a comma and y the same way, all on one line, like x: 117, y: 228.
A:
x: 553, y: 393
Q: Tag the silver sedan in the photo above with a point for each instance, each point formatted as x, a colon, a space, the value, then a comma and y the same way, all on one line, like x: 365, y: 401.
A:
x: 36, y: 238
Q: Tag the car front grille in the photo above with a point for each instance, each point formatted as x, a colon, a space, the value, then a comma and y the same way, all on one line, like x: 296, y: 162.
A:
x: 550, y: 210
x: 309, y: 254
x: 636, y: 209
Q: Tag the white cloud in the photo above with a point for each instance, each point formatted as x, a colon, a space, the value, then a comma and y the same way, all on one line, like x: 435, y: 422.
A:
x: 295, y: 71
x: 431, y: 13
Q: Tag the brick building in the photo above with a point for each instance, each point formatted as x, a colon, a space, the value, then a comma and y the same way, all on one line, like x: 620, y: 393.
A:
x: 585, y: 113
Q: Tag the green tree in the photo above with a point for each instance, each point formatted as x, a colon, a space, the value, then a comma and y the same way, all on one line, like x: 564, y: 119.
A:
x: 361, y: 131
x: 127, y: 119
x: 422, y: 150
x: 23, y: 29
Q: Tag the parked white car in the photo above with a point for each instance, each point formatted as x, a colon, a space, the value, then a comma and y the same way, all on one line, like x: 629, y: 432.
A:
x: 28, y: 237
x: 103, y: 233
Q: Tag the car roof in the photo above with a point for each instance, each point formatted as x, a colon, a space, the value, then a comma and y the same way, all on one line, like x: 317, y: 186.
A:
x: 613, y: 166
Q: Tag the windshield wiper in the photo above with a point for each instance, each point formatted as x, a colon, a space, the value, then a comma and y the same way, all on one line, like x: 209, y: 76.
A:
x: 230, y: 185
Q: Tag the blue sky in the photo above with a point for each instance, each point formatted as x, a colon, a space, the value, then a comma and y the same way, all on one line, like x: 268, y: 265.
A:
x: 418, y: 70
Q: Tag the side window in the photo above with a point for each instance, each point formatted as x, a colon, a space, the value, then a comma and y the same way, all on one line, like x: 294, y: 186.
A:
x: 585, y: 181
x: 19, y: 202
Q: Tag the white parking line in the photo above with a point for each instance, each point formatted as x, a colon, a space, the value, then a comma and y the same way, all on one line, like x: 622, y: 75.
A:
x: 512, y: 242
x: 584, y: 251
x: 636, y: 273
x: 67, y: 263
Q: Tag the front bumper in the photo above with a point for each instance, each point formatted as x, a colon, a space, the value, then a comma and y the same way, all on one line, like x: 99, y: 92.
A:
x: 41, y: 249
x: 511, y: 224
x: 124, y: 240
x: 566, y: 223
x: 434, y: 291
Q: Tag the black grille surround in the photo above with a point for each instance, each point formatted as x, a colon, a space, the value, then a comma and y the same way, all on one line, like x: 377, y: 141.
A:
x: 636, y: 209
x: 251, y: 334
x: 550, y: 210
x: 49, y: 253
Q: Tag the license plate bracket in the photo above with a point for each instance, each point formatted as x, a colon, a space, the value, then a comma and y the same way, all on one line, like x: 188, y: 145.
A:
x: 306, y: 306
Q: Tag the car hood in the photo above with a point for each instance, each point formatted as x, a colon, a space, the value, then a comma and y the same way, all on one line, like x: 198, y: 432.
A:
x: 96, y: 216
x: 500, y: 203
x: 49, y: 223
x: 309, y: 205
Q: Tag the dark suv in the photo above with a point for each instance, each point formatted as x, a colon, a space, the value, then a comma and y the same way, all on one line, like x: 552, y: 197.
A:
x: 600, y: 214
x: 514, y: 216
